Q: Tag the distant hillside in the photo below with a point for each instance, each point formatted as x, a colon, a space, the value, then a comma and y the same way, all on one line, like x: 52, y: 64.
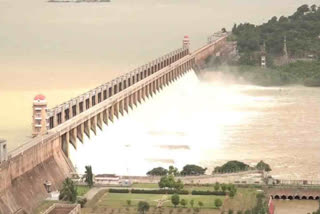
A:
x: 302, y: 31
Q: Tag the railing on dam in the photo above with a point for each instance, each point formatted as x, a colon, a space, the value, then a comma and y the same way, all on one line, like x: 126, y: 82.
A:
x: 75, y: 106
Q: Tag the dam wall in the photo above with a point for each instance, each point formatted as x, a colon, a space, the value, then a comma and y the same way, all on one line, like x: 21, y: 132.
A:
x: 23, y: 176
x: 45, y: 158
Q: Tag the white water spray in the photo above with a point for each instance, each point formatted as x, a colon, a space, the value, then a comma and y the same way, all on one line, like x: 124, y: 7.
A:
x: 176, y: 126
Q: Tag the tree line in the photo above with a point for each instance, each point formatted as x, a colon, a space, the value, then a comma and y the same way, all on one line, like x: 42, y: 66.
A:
x: 301, y: 30
x: 187, y: 170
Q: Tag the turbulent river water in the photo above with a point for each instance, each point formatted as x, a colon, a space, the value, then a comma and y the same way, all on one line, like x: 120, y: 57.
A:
x: 209, y: 123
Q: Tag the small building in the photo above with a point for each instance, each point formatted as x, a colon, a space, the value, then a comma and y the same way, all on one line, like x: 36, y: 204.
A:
x: 3, y: 150
x: 107, y: 179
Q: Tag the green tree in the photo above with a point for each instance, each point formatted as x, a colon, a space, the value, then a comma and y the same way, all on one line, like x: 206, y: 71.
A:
x: 169, y: 181
x: 129, y: 203
x: 303, y: 9
x: 175, y: 199
x: 230, y: 211
x: 68, y: 191
x: 232, y: 193
x: 230, y: 187
x: 263, y: 166
x: 159, y: 171
x: 191, y: 203
x: 192, y: 170
x: 173, y: 171
x: 183, y: 202
x: 89, y: 176
x: 223, y: 187
x: 178, y: 185
x: 239, y: 212
x: 216, y: 186
x: 218, y: 203
x: 200, y: 203
x: 231, y: 166
x: 143, y: 207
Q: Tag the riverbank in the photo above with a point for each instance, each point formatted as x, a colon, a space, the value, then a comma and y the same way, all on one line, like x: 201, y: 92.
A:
x: 298, y: 73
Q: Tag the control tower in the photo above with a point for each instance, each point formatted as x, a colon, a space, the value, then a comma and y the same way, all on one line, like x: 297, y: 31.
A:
x: 39, y: 118
x: 186, y: 42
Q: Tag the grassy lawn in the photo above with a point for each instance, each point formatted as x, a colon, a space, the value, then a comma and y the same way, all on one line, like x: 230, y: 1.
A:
x: 82, y: 190
x: 117, y: 200
x: 111, y: 203
x: 143, y: 186
x: 244, y: 199
x: 202, y: 188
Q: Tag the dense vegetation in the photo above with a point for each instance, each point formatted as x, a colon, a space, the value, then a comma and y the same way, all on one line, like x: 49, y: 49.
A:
x: 302, y: 31
x: 231, y: 166
x: 159, y: 171
x: 68, y: 192
x: 237, y: 166
x: 169, y: 181
x: 189, y: 169
x: 192, y: 170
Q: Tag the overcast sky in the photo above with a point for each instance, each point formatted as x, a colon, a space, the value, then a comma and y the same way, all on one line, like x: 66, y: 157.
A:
x: 40, y: 39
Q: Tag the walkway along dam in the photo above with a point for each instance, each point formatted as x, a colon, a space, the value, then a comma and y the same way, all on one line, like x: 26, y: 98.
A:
x: 25, y: 171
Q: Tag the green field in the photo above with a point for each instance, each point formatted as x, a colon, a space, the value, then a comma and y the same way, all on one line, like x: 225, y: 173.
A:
x: 113, y: 202
x: 117, y: 200
x: 144, y: 185
x: 82, y: 190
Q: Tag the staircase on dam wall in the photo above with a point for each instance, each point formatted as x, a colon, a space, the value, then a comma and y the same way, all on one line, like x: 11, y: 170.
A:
x: 45, y: 158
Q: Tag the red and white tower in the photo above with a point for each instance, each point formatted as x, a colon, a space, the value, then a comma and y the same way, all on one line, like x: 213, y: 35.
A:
x: 186, y: 42
x: 39, y: 118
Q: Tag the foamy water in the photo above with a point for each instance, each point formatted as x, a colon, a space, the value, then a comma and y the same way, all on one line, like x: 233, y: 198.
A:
x: 209, y: 123
x: 175, y: 127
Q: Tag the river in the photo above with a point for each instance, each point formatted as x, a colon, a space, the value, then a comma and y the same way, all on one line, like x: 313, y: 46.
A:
x: 62, y: 50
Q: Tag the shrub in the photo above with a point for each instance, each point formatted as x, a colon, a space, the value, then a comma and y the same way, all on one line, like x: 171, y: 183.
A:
x: 159, y: 191
x: 183, y: 202
x: 218, y: 203
x: 175, y: 199
x: 199, y: 192
x: 82, y: 201
x: 119, y: 190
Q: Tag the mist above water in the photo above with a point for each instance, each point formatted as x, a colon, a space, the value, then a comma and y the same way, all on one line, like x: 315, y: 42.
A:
x: 174, y: 127
x: 209, y: 123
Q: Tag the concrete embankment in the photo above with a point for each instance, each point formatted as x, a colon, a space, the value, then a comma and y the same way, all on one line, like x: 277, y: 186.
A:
x: 26, y: 191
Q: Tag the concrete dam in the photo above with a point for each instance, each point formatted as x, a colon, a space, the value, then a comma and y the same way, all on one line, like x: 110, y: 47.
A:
x: 46, y: 158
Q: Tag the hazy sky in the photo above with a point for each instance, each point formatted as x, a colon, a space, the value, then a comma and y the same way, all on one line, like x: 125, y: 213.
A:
x: 41, y: 40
